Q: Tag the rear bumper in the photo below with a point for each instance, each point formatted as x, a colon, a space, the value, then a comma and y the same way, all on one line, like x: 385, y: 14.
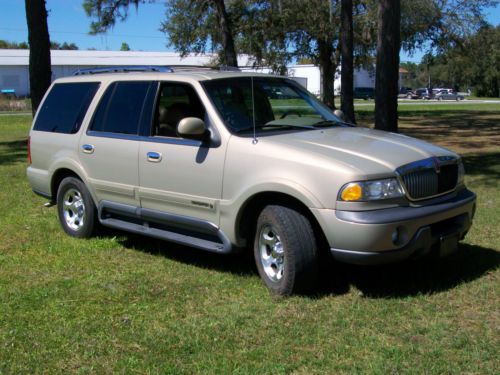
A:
x: 395, y: 234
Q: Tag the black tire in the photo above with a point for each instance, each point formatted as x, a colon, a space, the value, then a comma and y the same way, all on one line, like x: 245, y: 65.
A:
x: 76, y: 209
x: 294, y: 251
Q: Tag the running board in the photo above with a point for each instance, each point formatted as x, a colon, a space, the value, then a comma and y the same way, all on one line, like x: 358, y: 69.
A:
x: 164, y: 226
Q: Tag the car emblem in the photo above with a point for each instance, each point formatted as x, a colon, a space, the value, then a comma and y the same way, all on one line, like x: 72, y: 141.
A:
x: 437, y: 166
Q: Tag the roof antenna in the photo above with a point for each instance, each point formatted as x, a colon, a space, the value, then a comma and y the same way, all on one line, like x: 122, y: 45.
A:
x: 255, y: 140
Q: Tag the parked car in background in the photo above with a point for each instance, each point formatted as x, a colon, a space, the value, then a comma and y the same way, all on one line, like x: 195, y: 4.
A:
x: 448, y: 94
x: 417, y: 94
x: 364, y: 93
x: 404, y: 91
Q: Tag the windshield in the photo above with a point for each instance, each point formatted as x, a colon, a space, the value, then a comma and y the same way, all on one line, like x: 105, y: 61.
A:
x: 272, y: 102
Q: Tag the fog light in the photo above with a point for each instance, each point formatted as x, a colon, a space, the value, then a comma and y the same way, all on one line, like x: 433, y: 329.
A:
x: 395, y: 236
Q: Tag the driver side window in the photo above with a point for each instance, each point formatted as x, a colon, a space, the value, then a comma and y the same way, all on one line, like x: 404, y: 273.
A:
x: 175, y: 102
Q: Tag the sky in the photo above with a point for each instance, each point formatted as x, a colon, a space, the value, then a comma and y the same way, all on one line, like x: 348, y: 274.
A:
x: 68, y: 23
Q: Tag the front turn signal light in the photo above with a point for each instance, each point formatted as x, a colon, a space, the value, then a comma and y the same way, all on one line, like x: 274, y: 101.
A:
x: 352, y: 192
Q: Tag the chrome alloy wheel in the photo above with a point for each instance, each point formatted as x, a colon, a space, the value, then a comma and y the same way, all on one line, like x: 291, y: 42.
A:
x: 73, y: 209
x: 272, y: 256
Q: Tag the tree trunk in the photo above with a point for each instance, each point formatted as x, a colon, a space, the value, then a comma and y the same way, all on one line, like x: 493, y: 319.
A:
x: 347, y: 61
x: 327, y: 71
x: 38, y: 38
x: 387, y: 69
x: 229, y: 53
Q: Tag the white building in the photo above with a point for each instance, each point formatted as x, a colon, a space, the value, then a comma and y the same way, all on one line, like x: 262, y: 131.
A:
x: 14, y: 63
x: 14, y: 66
x: 309, y: 76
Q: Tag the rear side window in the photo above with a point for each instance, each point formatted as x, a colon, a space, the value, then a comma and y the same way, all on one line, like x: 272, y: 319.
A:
x: 120, y: 109
x: 65, y: 106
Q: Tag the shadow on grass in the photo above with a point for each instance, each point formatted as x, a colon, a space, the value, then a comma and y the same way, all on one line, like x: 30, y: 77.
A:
x: 239, y: 263
x: 464, y: 130
x: 424, y: 276
x: 486, y: 165
x: 13, y: 152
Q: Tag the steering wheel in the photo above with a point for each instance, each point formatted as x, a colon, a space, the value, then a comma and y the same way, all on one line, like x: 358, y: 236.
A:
x: 290, y: 112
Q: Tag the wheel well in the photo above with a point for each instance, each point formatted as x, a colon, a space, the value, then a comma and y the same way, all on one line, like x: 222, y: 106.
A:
x: 248, y: 215
x: 58, y: 176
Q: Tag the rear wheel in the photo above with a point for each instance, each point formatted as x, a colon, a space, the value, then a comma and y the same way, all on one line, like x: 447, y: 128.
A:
x: 285, y: 250
x: 76, y: 209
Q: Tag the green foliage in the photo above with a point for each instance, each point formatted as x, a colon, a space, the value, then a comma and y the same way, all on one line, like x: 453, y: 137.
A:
x: 474, y: 64
x: 63, y: 46
x: 23, y: 45
x: 187, y: 36
x: 106, y: 12
x: 125, y: 47
x: 433, y: 24
x: 5, y: 44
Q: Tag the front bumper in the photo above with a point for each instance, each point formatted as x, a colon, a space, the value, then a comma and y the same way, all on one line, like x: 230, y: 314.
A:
x: 394, y: 234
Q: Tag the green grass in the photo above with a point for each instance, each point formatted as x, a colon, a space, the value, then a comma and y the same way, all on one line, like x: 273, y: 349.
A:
x: 128, y: 304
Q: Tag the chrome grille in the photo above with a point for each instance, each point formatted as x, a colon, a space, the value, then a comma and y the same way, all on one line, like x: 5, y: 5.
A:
x: 421, y: 184
x: 429, y: 177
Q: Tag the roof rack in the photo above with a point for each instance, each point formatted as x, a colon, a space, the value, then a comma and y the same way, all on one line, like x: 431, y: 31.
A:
x: 152, y: 68
x: 124, y: 69
x: 226, y: 68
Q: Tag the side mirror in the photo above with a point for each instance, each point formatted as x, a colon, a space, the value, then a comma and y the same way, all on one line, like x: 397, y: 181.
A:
x: 192, y: 128
x: 339, y: 114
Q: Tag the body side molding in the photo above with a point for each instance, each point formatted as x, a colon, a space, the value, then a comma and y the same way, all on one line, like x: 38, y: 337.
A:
x: 162, y: 225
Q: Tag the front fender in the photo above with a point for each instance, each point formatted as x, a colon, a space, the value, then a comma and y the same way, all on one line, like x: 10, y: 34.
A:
x: 232, y: 210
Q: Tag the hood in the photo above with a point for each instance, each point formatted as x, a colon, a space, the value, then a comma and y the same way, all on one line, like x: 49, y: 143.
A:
x: 366, y: 150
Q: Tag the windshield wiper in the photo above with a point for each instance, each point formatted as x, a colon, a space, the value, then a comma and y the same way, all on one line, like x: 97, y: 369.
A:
x: 268, y: 125
x: 282, y: 126
x: 326, y: 123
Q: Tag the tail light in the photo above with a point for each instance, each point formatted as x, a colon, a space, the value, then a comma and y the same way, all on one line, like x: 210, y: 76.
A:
x: 29, y: 150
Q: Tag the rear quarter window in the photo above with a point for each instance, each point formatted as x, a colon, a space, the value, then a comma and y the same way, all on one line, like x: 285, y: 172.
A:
x: 65, y: 106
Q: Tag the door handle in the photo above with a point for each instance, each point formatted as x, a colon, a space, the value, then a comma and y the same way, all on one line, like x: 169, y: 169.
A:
x: 87, y: 148
x: 154, y: 157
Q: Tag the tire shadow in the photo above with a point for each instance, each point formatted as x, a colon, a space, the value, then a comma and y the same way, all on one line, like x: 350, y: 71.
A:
x: 240, y: 263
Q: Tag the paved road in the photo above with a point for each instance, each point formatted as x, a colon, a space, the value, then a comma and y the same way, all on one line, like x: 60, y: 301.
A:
x: 357, y: 104
x: 14, y: 113
x: 431, y: 102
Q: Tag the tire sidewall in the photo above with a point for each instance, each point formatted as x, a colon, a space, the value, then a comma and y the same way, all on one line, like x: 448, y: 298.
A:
x: 90, y: 210
x: 278, y: 287
x: 297, y: 264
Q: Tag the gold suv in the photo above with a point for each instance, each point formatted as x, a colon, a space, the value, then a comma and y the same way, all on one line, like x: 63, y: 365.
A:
x: 223, y: 161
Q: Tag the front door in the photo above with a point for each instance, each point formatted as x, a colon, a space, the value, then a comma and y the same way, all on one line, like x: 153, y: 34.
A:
x: 179, y: 176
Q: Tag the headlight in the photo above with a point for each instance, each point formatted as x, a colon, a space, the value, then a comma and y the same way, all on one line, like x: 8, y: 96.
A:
x: 461, y: 173
x: 371, y: 190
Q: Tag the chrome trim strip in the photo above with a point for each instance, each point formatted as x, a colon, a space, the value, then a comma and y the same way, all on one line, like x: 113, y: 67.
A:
x: 135, y: 137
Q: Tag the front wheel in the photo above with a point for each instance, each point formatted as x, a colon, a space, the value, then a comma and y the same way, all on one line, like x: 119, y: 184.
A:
x: 76, y: 209
x: 285, y: 250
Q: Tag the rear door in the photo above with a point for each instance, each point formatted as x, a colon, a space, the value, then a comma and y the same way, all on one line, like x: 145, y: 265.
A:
x: 109, y: 148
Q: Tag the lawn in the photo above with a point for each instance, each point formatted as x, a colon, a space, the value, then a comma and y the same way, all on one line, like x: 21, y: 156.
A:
x: 128, y: 304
